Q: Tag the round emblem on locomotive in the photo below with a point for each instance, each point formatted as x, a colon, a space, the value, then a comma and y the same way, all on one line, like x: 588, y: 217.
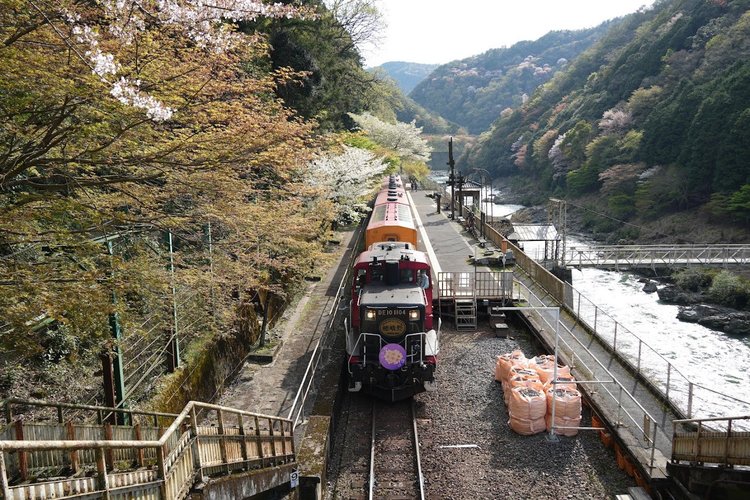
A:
x: 392, y: 356
x: 392, y: 327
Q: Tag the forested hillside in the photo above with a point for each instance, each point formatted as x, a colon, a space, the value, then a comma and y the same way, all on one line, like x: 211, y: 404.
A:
x: 473, y: 92
x: 653, y: 119
x: 406, y: 74
x: 169, y: 173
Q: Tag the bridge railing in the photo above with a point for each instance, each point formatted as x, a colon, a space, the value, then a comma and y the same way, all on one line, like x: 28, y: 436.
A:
x: 687, y: 397
x: 657, y: 255
x: 135, y: 462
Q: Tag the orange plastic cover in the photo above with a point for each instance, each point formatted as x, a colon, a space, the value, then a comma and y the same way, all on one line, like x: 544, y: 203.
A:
x: 527, y: 404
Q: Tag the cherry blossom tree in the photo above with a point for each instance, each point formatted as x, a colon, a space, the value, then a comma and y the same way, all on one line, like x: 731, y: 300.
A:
x: 344, y: 178
x: 403, y: 138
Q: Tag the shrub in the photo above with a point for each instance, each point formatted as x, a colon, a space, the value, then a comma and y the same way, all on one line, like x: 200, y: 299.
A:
x: 693, y: 279
x: 730, y: 290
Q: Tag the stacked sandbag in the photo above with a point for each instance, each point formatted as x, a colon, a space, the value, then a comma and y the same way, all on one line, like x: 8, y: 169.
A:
x: 527, y: 408
x: 545, y: 367
x: 562, y: 383
x: 521, y: 377
x: 567, y: 410
x: 507, y: 361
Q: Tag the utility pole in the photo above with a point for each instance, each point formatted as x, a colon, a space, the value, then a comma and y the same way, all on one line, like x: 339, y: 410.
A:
x: 460, y: 180
x: 114, y: 380
x: 452, y: 178
x: 562, y: 222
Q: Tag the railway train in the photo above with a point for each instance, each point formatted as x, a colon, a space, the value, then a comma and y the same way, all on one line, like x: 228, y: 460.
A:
x: 392, y: 342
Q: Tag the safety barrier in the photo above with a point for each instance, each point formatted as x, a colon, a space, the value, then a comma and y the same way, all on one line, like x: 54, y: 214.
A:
x: 712, y: 440
x: 686, y: 397
x: 137, y: 461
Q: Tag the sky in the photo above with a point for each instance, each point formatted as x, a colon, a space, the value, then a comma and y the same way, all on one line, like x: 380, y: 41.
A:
x: 440, y: 31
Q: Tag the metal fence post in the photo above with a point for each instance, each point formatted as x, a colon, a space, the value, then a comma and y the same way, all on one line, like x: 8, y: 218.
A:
x: 669, y: 377
x: 211, y: 270
x: 174, y: 342
x: 640, y: 346
x: 596, y: 313
x: 614, y: 340
x: 653, y: 446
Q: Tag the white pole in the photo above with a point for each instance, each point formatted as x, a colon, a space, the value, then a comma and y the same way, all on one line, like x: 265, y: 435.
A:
x: 552, y: 436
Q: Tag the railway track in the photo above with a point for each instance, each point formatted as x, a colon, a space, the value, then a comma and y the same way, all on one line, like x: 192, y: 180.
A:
x: 378, y: 452
x: 395, y: 468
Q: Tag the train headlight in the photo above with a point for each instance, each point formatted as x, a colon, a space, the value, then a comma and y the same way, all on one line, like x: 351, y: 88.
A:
x: 370, y: 314
x: 413, y: 315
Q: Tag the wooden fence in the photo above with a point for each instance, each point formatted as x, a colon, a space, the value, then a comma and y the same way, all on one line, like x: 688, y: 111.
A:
x: 138, y: 461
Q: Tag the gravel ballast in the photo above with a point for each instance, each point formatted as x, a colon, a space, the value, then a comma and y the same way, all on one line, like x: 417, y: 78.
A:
x: 470, y: 451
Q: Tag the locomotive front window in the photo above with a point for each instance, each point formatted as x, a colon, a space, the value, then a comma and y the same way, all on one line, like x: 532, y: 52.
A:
x: 407, y: 276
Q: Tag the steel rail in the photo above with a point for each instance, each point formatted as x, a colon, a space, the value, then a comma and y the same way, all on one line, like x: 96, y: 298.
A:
x: 371, y: 493
x: 415, y: 453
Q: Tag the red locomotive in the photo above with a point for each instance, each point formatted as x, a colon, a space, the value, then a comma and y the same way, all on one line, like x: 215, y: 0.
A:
x: 392, y: 345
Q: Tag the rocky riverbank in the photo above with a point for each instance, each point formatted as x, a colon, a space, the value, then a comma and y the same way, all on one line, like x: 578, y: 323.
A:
x: 693, y: 309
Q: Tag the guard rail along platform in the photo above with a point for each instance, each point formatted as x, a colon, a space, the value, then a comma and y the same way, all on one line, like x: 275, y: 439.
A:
x: 74, y: 459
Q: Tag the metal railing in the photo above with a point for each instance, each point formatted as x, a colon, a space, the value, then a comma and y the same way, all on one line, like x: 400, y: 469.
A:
x: 653, y: 256
x: 685, y: 396
x: 296, y: 412
x: 136, y: 462
x: 630, y: 413
x: 484, y: 284
x: 712, y: 440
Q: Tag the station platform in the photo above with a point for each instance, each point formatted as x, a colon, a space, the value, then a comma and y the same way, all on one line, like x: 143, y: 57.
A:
x: 625, y: 402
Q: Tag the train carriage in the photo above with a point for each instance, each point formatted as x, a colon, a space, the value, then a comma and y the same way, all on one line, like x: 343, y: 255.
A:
x: 391, y: 221
x: 392, y: 345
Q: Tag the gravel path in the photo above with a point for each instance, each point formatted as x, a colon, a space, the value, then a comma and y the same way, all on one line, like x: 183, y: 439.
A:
x: 468, y: 409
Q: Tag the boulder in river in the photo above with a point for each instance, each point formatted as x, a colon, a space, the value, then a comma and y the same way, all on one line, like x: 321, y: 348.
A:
x: 672, y: 294
x: 650, y: 287
x: 717, y: 318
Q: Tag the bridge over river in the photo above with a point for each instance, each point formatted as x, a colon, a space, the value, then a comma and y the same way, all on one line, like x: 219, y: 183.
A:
x: 620, y: 257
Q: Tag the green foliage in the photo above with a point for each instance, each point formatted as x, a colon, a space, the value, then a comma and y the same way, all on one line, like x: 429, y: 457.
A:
x: 359, y: 140
x: 472, y: 92
x: 694, y: 279
x: 407, y: 75
x: 739, y: 204
x: 730, y: 290
x: 679, y: 73
x: 621, y: 206
x: 331, y: 81
x: 664, y: 192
